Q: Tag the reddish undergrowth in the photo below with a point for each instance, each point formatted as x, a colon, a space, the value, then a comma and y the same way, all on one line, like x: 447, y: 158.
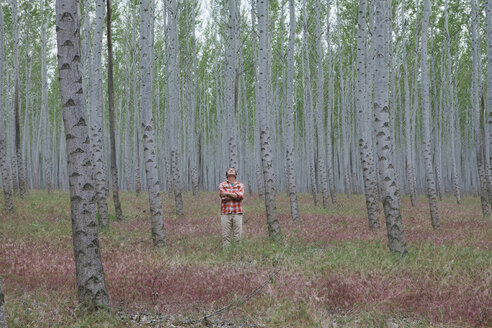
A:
x: 139, y: 277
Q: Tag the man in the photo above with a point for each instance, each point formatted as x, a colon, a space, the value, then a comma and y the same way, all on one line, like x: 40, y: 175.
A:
x: 231, y: 195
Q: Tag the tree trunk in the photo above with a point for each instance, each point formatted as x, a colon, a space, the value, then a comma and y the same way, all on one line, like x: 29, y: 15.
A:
x: 173, y: 82
x: 230, y: 79
x: 289, y: 147
x: 4, y: 166
x: 489, y: 84
x: 308, y: 110
x: 44, y: 104
x: 329, y: 141
x: 365, y: 140
x: 389, y: 186
x: 114, y: 168
x: 3, y: 318
x: 146, y: 103
x: 88, y: 265
x: 426, y: 117
x: 266, y: 152
x: 96, y: 128
x: 480, y: 148
x: 320, y: 110
x: 18, y: 150
x: 450, y: 105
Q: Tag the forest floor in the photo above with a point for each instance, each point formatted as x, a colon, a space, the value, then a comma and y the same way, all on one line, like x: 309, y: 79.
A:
x: 333, y: 271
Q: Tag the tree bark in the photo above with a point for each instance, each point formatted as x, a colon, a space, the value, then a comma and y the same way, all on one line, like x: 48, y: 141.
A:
x: 329, y: 142
x: 365, y: 140
x: 146, y: 103
x: 308, y: 110
x: 114, y: 168
x: 480, y: 147
x: 426, y: 116
x: 96, y: 128
x: 44, y: 104
x: 451, y: 109
x: 21, y: 173
x: 389, y: 185
x: 266, y: 153
x: 4, y: 166
x: 230, y: 79
x: 289, y: 147
x: 3, y: 318
x: 489, y: 88
x: 320, y: 110
x: 88, y: 265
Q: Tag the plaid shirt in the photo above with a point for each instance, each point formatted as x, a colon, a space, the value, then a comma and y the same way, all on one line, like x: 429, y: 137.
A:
x: 231, y: 206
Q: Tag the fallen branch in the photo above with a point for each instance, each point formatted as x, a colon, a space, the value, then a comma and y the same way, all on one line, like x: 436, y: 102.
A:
x: 243, y: 299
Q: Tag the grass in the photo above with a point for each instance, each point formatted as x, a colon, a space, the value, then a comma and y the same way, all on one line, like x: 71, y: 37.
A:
x: 334, y: 271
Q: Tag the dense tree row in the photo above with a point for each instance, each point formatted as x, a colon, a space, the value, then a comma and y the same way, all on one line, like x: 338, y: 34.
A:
x: 377, y: 97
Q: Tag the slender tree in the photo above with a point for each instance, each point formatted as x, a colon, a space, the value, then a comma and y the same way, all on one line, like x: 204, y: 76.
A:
x: 426, y: 115
x: 451, y: 108
x: 329, y: 143
x: 88, y: 265
x: 289, y: 147
x: 389, y: 185
x: 3, y: 318
x: 114, y: 168
x: 480, y: 147
x: 489, y: 84
x: 18, y: 150
x: 146, y: 103
x: 230, y: 80
x: 365, y: 140
x: 44, y: 102
x: 96, y: 121
x: 266, y: 152
x: 320, y: 111
x: 4, y: 166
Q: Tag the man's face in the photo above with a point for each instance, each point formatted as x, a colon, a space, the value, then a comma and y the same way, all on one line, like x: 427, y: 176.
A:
x: 231, y: 173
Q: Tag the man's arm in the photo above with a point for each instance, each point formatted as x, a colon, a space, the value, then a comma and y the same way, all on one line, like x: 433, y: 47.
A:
x: 224, y: 195
x: 238, y: 195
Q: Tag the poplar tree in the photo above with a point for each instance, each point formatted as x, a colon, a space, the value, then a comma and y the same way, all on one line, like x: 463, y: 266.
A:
x: 389, y: 185
x: 266, y: 152
x: 96, y: 118
x: 114, y: 168
x: 4, y: 166
x: 19, y: 165
x: 3, y: 319
x: 426, y: 124
x: 289, y: 147
x: 365, y: 140
x: 91, y: 282
x: 146, y: 103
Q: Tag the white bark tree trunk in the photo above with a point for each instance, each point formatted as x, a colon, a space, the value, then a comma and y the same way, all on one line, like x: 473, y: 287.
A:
x: 426, y: 124
x: 266, y: 152
x: 4, y: 166
x: 476, y: 78
x: 88, y: 265
x: 230, y: 80
x: 3, y: 318
x: 320, y: 112
x: 451, y: 109
x: 19, y: 163
x: 96, y: 128
x: 329, y: 141
x: 365, y: 140
x: 146, y: 101
x: 289, y: 147
x: 389, y: 185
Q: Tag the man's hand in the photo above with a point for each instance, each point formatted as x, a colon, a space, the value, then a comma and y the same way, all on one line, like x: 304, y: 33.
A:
x: 229, y: 195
